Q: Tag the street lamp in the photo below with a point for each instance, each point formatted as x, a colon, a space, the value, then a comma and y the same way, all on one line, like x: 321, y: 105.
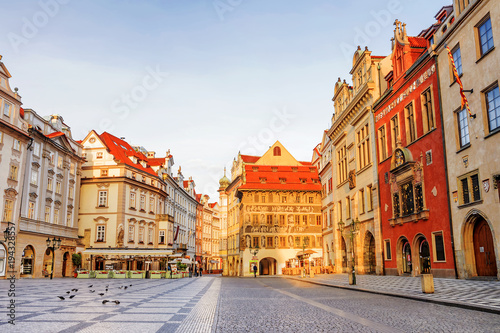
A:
x: 255, y: 250
x: 56, y: 244
x: 353, y: 230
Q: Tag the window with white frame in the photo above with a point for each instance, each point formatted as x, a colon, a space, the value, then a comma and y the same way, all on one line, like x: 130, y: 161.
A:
x: 7, y: 210
x: 36, y: 149
x: 103, y: 198
x: 6, y: 108
x: 101, y: 233
x: 132, y: 200
x: 463, y: 127
x: 49, y: 184
x: 13, y: 172
x: 131, y: 232
x: 72, y: 168
x: 34, y: 177
x: 47, y: 214
x: 141, y: 235
x: 59, y: 162
x: 342, y: 164
x: 493, y: 107
x: 58, y: 187
x: 394, y: 131
x: 382, y: 143
x: 31, y: 210
x: 17, y: 145
x: 56, y: 216
x: 143, y: 203
x: 485, y: 36
x: 150, y: 236
x: 152, y: 205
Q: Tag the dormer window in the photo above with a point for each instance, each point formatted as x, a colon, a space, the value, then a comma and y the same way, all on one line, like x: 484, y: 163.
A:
x: 98, y: 155
x: 263, y: 180
x: 255, y: 169
x: 303, y: 180
x: 295, y: 169
x: 277, y: 151
x: 274, y: 169
x: 282, y: 180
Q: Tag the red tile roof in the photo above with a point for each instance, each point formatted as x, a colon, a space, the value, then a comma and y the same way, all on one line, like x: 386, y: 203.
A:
x: 121, y: 150
x: 300, y: 180
x: 21, y: 112
x: 156, y: 161
x: 54, y: 135
x: 417, y: 42
x: 249, y: 158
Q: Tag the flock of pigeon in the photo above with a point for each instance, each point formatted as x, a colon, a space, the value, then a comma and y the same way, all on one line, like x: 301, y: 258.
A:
x: 93, y: 291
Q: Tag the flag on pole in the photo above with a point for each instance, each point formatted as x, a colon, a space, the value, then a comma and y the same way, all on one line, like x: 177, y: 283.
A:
x: 459, y: 82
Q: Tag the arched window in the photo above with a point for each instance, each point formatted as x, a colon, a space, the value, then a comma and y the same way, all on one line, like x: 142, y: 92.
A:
x: 277, y: 151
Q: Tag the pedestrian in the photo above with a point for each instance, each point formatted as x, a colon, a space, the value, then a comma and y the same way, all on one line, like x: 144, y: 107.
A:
x: 201, y: 271
x: 195, y: 271
x: 254, y: 271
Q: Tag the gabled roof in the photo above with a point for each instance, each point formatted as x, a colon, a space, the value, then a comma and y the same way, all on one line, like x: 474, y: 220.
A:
x: 156, y: 161
x: 417, y: 42
x: 121, y: 150
x: 284, y: 178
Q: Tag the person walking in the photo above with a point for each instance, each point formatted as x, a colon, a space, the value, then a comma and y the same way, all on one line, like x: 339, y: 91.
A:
x: 254, y: 271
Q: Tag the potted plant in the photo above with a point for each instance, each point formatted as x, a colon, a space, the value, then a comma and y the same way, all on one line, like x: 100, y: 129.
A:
x: 76, y: 258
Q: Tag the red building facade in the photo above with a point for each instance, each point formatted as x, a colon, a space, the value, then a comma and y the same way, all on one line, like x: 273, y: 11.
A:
x: 412, y: 178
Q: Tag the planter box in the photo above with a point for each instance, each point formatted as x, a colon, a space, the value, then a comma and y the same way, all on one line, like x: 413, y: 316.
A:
x: 101, y: 274
x: 119, y: 275
x: 83, y: 275
x: 155, y: 274
x: 136, y: 274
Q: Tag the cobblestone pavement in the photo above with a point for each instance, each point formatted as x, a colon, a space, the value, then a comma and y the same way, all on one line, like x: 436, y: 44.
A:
x: 285, y: 305
x: 184, y: 305
x: 472, y: 294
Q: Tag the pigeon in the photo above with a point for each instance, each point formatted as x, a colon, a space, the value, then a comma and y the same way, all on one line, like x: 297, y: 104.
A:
x: 106, y: 289
x: 75, y: 290
x: 72, y: 296
x: 91, y: 286
x: 101, y: 294
x: 92, y: 291
x: 125, y: 287
x: 105, y: 301
x: 131, y: 285
x: 107, y: 286
x: 62, y: 298
x: 120, y: 287
x: 117, y: 302
x: 68, y: 292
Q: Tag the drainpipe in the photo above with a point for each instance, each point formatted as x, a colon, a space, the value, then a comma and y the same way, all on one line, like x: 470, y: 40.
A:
x: 446, y: 169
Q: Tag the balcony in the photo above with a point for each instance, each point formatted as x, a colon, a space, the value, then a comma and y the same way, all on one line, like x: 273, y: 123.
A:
x: 42, y: 227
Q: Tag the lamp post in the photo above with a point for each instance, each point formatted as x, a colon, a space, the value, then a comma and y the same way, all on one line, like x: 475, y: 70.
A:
x: 56, y: 244
x: 353, y: 230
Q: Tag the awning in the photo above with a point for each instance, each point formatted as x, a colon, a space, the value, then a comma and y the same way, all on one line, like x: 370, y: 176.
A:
x: 177, y: 255
x: 129, y: 252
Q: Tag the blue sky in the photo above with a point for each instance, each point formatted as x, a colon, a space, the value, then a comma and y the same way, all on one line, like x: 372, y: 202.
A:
x: 203, y: 78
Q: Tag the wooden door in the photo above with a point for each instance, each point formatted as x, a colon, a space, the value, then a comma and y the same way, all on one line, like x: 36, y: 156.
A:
x: 484, y: 250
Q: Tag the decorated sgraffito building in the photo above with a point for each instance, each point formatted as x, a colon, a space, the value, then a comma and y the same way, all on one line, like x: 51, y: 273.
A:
x: 279, y: 212
x: 414, y: 211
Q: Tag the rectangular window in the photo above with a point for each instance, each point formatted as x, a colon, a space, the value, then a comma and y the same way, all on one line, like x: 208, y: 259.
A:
x: 394, y: 131
x: 370, y: 197
x: 56, y: 216
x: 411, y: 133
x: 457, y: 59
x: 361, y: 203
x: 31, y: 210
x: 141, y: 235
x: 59, y: 162
x: 363, y: 146
x: 282, y: 241
x: 36, y: 149
x: 143, y: 203
x: 150, y: 236
x: 101, y: 232
x: 58, y: 187
x: 13, y: 172
x: 72, y: 168
x: 152, y: 205
x: 438, y: 246
x: 382, y: 143
x: 269, y: 219
x: 388, y: 255
x: 297, y: 199
x: 407, y: 200
x: 104, y: 172
x: 269, y: 241
x: 98, y: 155
x: 47, y: 214
x: 463, y: 128
x: 342, y: 164
x: 130, y: 233
x: 311, y: 200
x: 132, y: 200
x: 49, y: 184
x: 485, y: 36
x: 255, y: 219
x: 34, y: 177
x: 283, y: 199
x: 6, y: 109
x: 52, y: 157
x: 306, y: 241
x: 161, y: 238
x: 493, y: 108
x: 318, y: 219
x: 427, y: 110
x: 304, y: 219
x: 469, y: 188
x: 255, y: 242
x: 7, y: 210
x: 339, y: 210
x: 330, y: 185
x: 103, y: 198
x: 68, y: 220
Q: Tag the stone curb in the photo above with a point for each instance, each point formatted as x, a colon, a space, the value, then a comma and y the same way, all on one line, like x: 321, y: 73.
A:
x: 413, y: 297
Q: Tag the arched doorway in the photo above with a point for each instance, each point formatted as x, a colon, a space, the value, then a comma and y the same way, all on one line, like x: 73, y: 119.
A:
x: 406, y: 257
x: 343, y: 254
x: 99, y: 263
x: 28, y: 261
x: 424, y: 255
x: 484, y: 251
x: 3, y: 259
x: 65, y: 263
x: 267, y: 266
x: 369, y: 254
